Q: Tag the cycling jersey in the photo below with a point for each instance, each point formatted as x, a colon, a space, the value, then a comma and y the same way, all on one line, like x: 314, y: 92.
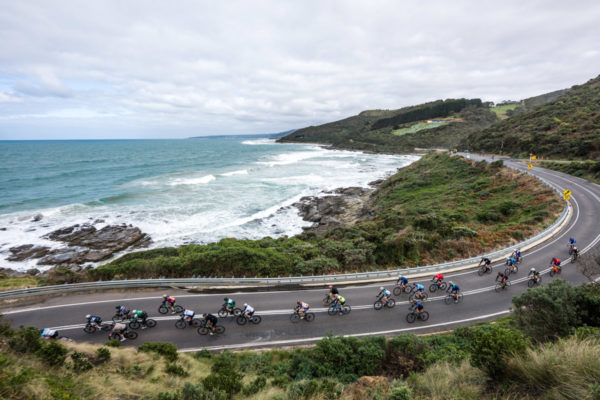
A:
x: 120, y: 327
x: 439, y: 277
x: 417, y: 306
x: 49, y: 333
x: 249, y: 310
x: 420, y: 287
x: 385, y: 293
x: 211, y: 318
x: 124, y: 310
x: 189, y: 313
x: 487, y: 261
x: 512, y: 261
x: 230, y: 303
x: 170, y: 299
x: 571, y: 241
x: 340, y: 299
x: 95, y: 319
x: 402, y: 279
x: 453, y: 288
x: 334, y: 290
x: 304, y: 306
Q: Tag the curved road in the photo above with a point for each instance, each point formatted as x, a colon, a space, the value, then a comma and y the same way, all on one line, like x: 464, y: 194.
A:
x: 480, y: 301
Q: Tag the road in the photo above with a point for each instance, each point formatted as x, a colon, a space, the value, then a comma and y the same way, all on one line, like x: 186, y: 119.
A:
x: 480, y: 301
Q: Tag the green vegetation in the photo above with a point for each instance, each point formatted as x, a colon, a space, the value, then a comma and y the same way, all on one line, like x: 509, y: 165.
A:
x: 484, y: 207
x: 396, y: 131
x: 503, y: 110
x: 589, y: 170
x: 546, y: 350
x: 568, y: 127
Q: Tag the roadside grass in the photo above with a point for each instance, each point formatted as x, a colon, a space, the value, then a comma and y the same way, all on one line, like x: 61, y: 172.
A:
x: 501, y: 110
x: 445, y: 381
x: 419, y: 126
x: 14, y: 282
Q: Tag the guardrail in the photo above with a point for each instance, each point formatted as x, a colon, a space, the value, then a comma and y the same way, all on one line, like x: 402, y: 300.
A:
x: 281, y: 281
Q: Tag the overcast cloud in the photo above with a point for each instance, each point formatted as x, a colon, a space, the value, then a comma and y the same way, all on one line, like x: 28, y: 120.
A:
x: 129, y: 69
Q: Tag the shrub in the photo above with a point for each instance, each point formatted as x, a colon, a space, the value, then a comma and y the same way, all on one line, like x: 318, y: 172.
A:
x: 177, y: 370
x: 102, y: 354
x: 80, y: 362
x: 167, y: 350
x: 255, y: 386
x: 203, y: 354
x: 52, y: 353
x: 113, y: 343
x: 26, y: 340
x: 491, y: 344
x: 400, y: 392
x: 224, y: 376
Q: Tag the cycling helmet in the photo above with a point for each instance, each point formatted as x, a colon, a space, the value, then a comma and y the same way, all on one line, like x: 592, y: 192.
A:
x: 380, y: 287
x: 88, y: 316
x: 245, y: 304
x: 532, y: 270
x: 133, y: 311
x: 330, y: 286
x: 117, y: 307
x: 225, y: 299
x: 164, y: 296
x: 298, y: 302
x: 450, y: 283
x: 205, y: 315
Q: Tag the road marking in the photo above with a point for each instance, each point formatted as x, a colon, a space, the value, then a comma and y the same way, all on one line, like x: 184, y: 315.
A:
x: 314, y: 339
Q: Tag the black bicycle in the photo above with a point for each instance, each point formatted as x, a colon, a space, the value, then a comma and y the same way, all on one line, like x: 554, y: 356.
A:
x: 389, y: 303
x: 224, y: 312
x: 243, y: 319
x: 91, y: 328
x: 163, y: 309
x: 296, y: 317
x: 414, y: 315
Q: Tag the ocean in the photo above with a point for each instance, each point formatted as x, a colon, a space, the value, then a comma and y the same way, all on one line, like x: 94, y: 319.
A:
x: 178, y: 191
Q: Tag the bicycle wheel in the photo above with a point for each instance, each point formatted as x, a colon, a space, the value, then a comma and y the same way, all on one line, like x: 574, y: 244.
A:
x: 497, y: 287
x: 433, y: 287
x: 411, y: 317
x: 552, y: 272
x: 295, y: 318
x: 241, y: 320
x: 150, y: 323
x: 178, y: 309
x: 448, y: 299
x: 180, y: 324
x: 131, y: 335
x: 424, y: 316
x: 256, y: 319
x: 507, y: 272
x: 163, y: 309
x: 117, y: 318
x: 219, y: 329
x: 134, y: 325
x: 332, y: 310
x: 391, y: 303
x: 398, y: 290
x: 326, y: 300
x: 460, y: 297
x: 424, y: 296
x: 481, y: 271
x: 346, y: 309
x: 223, y: 313
x: 309, y: 317
x: 516, y: 268
x: 203, y: 330
x: 106, y: 327
x: 89, y: 329
x: 378, y: 305
x: 443, y: 286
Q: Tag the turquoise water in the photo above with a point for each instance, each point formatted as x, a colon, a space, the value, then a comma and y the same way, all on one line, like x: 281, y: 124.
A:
x: 178, y: 191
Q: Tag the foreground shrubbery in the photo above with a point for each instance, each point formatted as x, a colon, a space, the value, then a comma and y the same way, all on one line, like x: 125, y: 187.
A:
x: 483, y: 207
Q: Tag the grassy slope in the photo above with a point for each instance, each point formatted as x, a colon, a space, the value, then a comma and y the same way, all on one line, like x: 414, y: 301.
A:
x: 566, y: 128
x: 483, y: 207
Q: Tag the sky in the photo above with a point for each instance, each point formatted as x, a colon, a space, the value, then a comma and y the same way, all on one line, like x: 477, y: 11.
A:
x: 150, y: 69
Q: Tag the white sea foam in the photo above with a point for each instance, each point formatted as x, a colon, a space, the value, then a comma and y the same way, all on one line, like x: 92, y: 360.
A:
x: 232, y: 173
x: 258, y: 142
x: 192, y: 181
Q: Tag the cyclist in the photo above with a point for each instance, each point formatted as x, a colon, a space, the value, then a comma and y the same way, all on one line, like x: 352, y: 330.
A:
x: 211, y: 322
x: 454, y: 290
x: 48, y: 333
x: 120, y: 328
x: 94, y: 320
x: 516, y: 255
x: 575, y: 251
x: 511, y: 261
x: 301, y: 308
x: 383, y: 294
x: 571, y: 242
x: 534, y: 274
x: 338, y: 301
x: 502, y: 278
x: 438, y: 278
x: 419, y: 289
x: 402, y: 281
x: 555, y: 261
x: 248, y: 310
x: 229, y: 304
x: 169, y: 301
x: 486, y: 261
x: 123, y: 312
x: 417, y: 306
x: 140, y: 315
x: 188, y: 316
x: 333, y: 291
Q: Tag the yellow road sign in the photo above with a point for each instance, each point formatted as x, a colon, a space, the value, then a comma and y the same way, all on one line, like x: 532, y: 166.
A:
x: 567, y: 197
x: 567, y: 192
x: 529, y: 166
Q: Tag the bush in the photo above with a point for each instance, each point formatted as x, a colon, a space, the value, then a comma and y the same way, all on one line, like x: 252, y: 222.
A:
x: 102, y: 354
x: 167, y: 350
x: 224, y: 376
x: 255, y: 386
x: 400, y: 392
x: 202, y: 354
x: 491, y: 344
x: 80, y: 362
x: 52, y: 353
x: 26, y: 340
x: 177, y: 370
x: 113, y: 343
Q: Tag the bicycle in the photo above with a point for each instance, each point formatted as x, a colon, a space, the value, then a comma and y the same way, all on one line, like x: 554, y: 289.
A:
x: 500, y: 286
x: 135, y: 324
x: 328, y: 299
x: 242, y: 319
x: 570, y: 245
x: 296, y: 317
x: 533, y: 281
x: 91, y: 328
x: 437, y: 285
x: 389, y: 303
x: 449, y: 299
x: 181, y: 323
x: 399, y: 289
x: 163, y: 308
x: 511, y: 268
x: 204, y: 330
x: 484, y: 269
x: 127, y: 334
x: 555, y: 269
x: 414, y: 315
x: 574, y: 256
x: 337, y: 308
x: 118, y: 317
x: 418, y: 296
x: 224, y: 312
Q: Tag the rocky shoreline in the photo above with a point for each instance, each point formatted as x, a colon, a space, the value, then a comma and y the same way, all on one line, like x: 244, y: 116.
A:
x: 84, y: 244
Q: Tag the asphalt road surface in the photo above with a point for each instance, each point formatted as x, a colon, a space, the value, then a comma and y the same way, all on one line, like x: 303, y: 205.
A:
x: 480, y: 302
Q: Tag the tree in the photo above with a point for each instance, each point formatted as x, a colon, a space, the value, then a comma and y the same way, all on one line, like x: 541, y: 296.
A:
x: 491, y: 344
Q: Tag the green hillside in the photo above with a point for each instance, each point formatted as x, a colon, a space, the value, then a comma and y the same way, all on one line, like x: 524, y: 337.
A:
x: 402, y: 130
x: 566, y: 128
